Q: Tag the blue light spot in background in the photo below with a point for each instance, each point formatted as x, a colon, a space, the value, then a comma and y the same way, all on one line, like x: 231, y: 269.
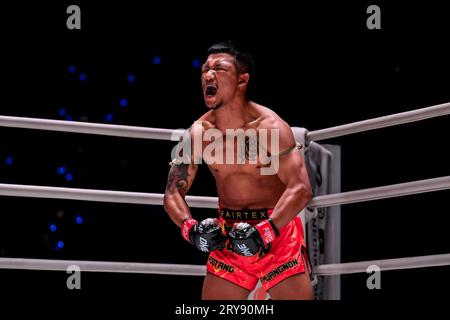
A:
x: 62, y: 112
x: 71, y: 69
x: 69, y: 177
x: 60, y: 244
x: 109, y: 117
x: 196, y: 63
x: 123, y: 102
x: 53, y: 227
x: 79, y: 219
x: 131, y: 78
x: 9, y: 160
x: 82, y: 76
x: 61, y: 170
x: 156, y: 60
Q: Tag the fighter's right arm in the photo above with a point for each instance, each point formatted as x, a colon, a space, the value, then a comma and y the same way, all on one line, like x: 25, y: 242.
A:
x: 181, y: 177
x: 179, y: 181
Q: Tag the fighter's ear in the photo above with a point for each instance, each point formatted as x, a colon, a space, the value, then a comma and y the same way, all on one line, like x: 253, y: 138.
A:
x: 243, y: 79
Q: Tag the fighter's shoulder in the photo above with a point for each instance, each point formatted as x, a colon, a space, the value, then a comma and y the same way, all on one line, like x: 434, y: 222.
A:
x: 269, y: 119
x: 201, y: 124
x: 206, y: 120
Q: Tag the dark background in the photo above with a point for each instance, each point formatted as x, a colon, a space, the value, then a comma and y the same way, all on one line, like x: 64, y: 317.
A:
x: 317, y: 66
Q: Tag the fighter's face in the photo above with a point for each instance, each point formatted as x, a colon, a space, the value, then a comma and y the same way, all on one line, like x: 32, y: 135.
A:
x: 220, y: 79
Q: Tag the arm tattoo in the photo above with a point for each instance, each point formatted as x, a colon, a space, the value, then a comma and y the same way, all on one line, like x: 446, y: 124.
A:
x: 178, y: 176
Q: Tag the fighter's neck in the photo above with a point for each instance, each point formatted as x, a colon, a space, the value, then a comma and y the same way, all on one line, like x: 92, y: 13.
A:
x: 231, y: 116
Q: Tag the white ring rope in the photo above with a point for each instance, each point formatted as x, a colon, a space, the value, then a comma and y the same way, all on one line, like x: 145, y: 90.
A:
x: 380, y: 122
x: 17, y: 190
x: 396, y: 190
x: 103, y: 266
x: 200, y: 270
x: 384, y: 192
x: 388, y: 264
x: 174, y: 134
x: 92, y: 128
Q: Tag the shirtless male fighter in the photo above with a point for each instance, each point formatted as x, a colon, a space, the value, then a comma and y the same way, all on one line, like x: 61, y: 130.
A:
x: 257, y: 234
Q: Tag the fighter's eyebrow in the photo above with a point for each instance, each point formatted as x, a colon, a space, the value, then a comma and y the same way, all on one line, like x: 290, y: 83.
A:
x: 223, y: 63
x: 215, y: 64
x: 220, y: 64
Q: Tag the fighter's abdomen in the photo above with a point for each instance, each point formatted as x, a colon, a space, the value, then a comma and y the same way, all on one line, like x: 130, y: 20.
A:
x: 246, y: 190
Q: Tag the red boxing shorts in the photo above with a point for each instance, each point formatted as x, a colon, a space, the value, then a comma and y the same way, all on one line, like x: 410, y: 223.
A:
x: 286, y: 257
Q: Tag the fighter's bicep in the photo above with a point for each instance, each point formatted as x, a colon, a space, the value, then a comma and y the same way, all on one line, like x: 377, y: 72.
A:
x: 292, y: 168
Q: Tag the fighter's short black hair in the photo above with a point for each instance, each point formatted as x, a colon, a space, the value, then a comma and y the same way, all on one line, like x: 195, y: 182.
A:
x: 243, y: 59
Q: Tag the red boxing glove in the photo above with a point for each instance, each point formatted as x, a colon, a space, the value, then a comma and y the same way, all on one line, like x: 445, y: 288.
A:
x: 207, y: 235
x: 186, y: 228
x: 267, y: 230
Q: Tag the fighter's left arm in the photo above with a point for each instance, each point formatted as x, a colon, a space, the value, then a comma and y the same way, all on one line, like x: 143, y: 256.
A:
x: 292, y: 172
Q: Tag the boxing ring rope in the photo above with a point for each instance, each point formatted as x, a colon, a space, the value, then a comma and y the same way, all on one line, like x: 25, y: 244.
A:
x: 389, y: 191
x: 200, y: 270
x: 396, y: 190
x: 380, y: 122
x: 174, y: 134
x: 103, y: 266
x: 91, y: 128
x: 387, y: 264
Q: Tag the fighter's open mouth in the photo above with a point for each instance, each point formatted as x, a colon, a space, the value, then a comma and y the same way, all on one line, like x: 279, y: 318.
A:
x: 210, y: 90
